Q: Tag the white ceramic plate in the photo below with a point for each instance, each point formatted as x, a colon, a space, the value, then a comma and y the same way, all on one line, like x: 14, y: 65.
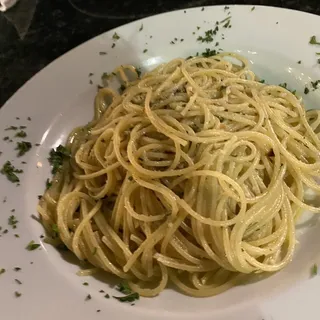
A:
x: 61, y: 97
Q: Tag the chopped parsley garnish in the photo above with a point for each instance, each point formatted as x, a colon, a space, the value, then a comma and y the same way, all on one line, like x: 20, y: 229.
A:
x: 10, y: 172
x: 88, y: 297
x: 115, y: 36
x: 227, y: 24
x: 17, y: 236
x: 128, y: 298
x: 113, y: 45
x: 18, y: 294
x: 29, y: 119
x: 21, y: 134
x: 141, y: 28
x: 138, y: 71
x: 94, y: 251
x: 85, y: 283
x: 16, y: 269
x: 98, y: 310
x: 17, y: 281
x: 101, y: 291
x: 22, y: 127
x: 145, y: 50
x: 202, y: 9
x: 102, y: 53
x: 2, y: 271
x: 314, y: 270
x: 306, y: 90
x: 57, y: 156
x: 48, y: 184
x: 209, y: 53
x: 5, y: 231
x: 90, y: 74
x: 5, y: 138
x: 283, y: 85
x: 124, y: 288
x: 208, y: 35
x: 32, y: 246
x: 23, y: 147
x: 122, y: 88
x: 313, y: 40
x: 11, y: 128
x: 12, y: 221
x: 90, y: 81
x: 253, y: 8
x: 315, y: 84
x: 107, y: 296
x: 299, y: 62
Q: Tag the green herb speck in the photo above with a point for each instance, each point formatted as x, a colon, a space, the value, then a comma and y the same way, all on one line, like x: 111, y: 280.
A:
x: 10, y: 172
x: 57, y: 157
x: 17, y: 294
x: 32, y: 246
x: 11, y: 128
x: 12, y: 221
x: 23, y: 147
x: 21, y: 134
x: 115, y: 36
x: 313, y: 40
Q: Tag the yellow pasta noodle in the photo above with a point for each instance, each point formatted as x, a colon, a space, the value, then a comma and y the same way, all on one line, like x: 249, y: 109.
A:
x: 194, y: 175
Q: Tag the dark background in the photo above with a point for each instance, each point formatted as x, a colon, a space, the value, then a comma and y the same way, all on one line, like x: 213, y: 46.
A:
x: 60, y: 25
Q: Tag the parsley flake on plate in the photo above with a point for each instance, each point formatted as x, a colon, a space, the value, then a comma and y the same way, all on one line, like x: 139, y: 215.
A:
x: 21, y: 134
x: 10, y: 172
x: 17, y: 294
x: 32, y: 246
x: 129, y: 295
x: 314, y: 270
x: 313, y: 40
x: 115, y: 36
x: 12, y: 221
x: 23, y: 147
x: 57, y: 156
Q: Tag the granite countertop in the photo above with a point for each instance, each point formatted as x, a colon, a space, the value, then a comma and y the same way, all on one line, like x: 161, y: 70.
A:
x: 58, y: 26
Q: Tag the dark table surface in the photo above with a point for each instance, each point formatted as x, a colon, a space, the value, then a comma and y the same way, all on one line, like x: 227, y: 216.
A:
x: 60, y: 25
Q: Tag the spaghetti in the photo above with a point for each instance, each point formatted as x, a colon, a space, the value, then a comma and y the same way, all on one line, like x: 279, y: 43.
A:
x: 195, y: 174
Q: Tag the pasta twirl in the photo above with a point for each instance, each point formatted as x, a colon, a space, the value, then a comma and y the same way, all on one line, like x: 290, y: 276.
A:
x: 195, y: 174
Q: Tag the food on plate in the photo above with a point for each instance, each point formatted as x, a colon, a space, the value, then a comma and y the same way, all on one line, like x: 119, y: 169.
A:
x: 194, y: 174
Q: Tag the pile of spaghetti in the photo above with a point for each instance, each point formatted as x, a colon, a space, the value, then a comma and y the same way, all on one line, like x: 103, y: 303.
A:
x: 194, y: 175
